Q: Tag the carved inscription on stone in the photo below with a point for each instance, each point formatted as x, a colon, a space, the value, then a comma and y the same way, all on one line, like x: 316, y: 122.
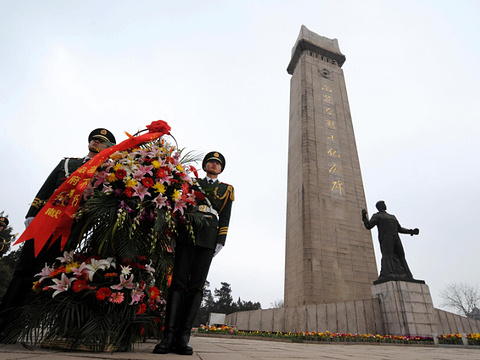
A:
x: 334, y: 163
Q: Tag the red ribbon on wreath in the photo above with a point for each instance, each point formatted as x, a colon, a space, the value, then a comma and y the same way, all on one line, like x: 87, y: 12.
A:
x: 55, y: 219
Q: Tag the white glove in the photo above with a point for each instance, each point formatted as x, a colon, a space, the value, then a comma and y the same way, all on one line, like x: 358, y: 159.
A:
x: 28, y: 221
x: 217, y: 249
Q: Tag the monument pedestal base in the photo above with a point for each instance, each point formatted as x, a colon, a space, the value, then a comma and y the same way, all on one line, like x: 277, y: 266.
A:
x: 406, y: 308
x: 381, y: 281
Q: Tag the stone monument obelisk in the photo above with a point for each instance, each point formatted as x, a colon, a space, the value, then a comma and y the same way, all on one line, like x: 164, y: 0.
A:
x: 329, y: 255
x: 330, y: 263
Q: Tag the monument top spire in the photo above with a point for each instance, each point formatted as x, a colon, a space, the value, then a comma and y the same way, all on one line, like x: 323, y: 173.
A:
x: 323, y: 46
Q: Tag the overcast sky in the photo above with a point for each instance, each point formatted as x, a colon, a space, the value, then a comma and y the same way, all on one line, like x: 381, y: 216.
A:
x: 216, y: 72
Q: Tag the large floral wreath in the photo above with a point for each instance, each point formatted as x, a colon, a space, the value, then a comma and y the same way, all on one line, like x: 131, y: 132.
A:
x: 107, y: 290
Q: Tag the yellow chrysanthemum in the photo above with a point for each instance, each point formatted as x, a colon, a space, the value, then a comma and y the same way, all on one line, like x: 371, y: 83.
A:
x: 116, y: 156
x: 176, y: 195
x: 117, y: 166
x: 180, y: 168
x: 111, y: 177
x: 160, y: 188
x: 131, y: 183
x: 155, y: 164
x: 73, y: 265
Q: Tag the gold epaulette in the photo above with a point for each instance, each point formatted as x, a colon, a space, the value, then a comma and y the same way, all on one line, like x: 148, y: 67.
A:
x: 228, y: 193
x: 232, y: 192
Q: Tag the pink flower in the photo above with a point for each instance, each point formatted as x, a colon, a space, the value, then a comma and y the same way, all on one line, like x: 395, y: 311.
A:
x: 149, y: 268
x: 136, y: 296
x: 160, y: 201
x: 140, y: 191
x: 61, y: 285
x: 45, y: 273
x: 141, y: 171
x: 116, y: 298
x: 180, y: 205
x: 185, y: 177
x: 88, y: 191
x: 67, y: 257
x: 124, y: 283
x: 100, y: 178
x: 82, y: 269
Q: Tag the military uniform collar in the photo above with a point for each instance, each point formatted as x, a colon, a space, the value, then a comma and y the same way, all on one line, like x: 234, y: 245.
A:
x: 207, y: 179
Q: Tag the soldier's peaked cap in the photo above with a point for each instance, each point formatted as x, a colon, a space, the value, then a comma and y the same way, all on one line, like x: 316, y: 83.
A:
x: 214, y: 155
x: 4, y: 221
x: 103, y: 134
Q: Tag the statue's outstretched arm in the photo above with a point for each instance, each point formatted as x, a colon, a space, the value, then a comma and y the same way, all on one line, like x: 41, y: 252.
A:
x: 412, y: 232
x: 369, y: 224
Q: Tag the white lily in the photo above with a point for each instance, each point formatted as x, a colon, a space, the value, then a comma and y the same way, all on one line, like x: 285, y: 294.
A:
x: 94, y: 266
x: 126, y: 270
x: 67, y: 257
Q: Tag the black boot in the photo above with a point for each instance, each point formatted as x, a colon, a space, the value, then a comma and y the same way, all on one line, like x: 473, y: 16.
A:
x: 172, y: 316
x: 192, y: 304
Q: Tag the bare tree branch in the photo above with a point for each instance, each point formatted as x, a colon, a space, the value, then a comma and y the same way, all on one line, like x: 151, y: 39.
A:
x: 461, y: 297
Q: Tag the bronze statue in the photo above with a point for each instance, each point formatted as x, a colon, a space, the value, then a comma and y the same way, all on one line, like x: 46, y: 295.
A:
x: 394, y: 265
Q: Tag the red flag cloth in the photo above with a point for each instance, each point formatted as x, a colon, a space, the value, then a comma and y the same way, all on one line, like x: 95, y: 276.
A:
x: 56, y: 218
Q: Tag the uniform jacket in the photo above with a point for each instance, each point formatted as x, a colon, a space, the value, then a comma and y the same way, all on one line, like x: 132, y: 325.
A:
x: 221, y: 196
x: 54, y: 180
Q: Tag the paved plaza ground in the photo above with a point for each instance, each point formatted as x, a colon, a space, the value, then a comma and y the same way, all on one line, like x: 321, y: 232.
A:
x: 218, y: 348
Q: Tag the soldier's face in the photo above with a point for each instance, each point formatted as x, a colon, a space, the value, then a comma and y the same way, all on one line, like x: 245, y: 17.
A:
x: 97, y: 145
x: 1, y: 227
x: 213, y: 167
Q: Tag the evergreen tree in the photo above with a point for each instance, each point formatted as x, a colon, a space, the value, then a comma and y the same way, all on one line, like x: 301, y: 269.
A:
x: 7, y: 261
x: 222, y: 302
x: 208, y: 300
x: 7, y: 266
x: 248, y: 305
x: 6, y: 239
x: 224, y: 298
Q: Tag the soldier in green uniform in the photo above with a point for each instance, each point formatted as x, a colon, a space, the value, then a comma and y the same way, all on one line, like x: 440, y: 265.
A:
x: 3, y: 243
x: 98, y: 140
x: 28, y: 265
x: 193, y: 257
x: 3, y: 223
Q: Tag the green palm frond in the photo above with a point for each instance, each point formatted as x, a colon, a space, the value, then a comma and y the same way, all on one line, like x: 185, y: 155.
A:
x: 197, y: 219
x: 191, y: 156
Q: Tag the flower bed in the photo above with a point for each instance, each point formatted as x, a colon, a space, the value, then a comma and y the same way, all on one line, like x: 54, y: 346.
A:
x: 456, y: 339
